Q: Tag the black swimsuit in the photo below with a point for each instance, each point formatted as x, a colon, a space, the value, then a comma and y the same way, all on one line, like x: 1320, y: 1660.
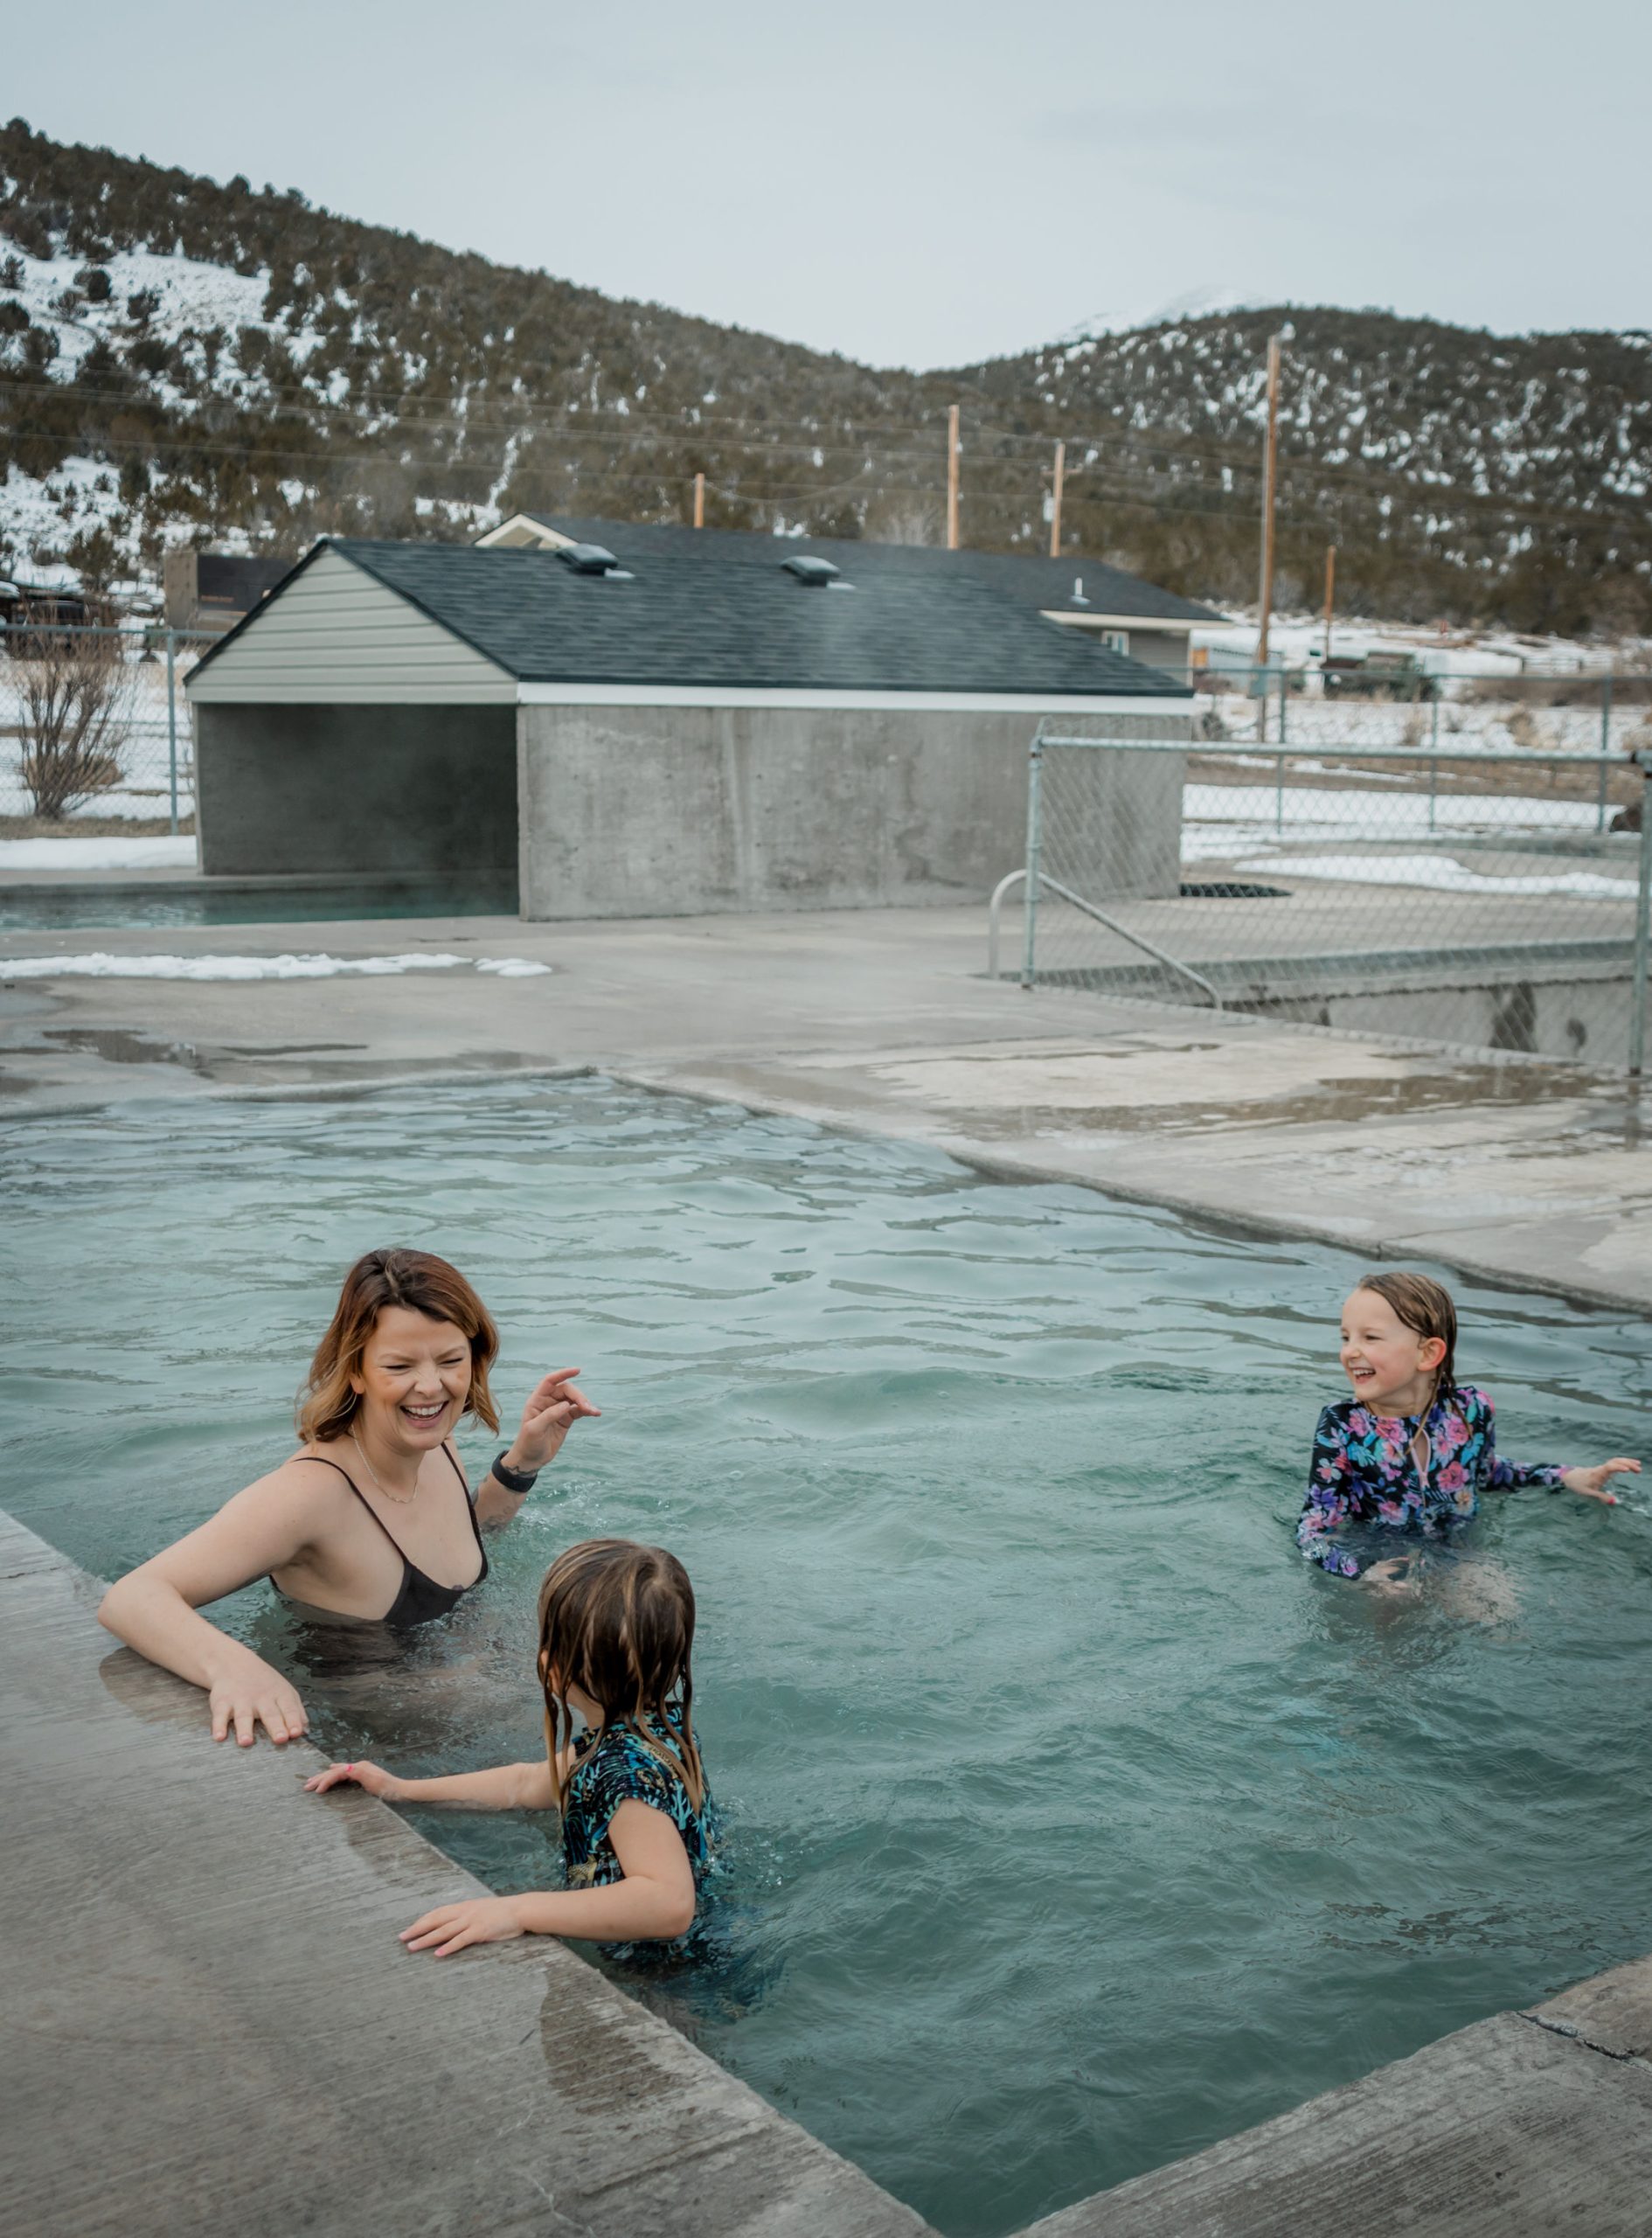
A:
x: 421, y: 1598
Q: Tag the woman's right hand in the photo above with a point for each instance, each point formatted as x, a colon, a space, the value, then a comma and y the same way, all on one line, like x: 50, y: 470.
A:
x: 246, y: 1693
x: 1396, y: 1571
x: 373, y: 1777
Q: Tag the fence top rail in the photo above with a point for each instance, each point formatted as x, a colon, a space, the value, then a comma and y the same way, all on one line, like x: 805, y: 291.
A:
x: 42, y: 628
x: 1318, y: 752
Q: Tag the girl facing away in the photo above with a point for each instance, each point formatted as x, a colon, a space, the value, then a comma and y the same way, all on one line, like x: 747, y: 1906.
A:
x: 639, y: 1826
x: 1411, y: 1450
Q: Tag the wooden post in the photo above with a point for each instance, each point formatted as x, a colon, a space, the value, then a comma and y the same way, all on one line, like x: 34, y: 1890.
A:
x: 1330, y: 593
x: 952, y: 477
x: 1270, y: 452
x: 1055, y: 516
x: 699, y: 501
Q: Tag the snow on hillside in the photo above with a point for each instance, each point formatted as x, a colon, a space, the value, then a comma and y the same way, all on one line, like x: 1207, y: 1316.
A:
x: 176, y: 298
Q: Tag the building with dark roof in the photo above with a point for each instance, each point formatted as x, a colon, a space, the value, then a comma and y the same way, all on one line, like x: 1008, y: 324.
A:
x: 674, y: 721
x: 1119, y: 610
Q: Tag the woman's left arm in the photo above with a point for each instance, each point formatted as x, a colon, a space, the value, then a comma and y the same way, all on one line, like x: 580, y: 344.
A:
x: 554, y: 1405
x: 654, y: 1903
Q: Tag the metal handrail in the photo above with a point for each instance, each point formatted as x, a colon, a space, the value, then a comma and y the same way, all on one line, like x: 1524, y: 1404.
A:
x: 1078, y: 901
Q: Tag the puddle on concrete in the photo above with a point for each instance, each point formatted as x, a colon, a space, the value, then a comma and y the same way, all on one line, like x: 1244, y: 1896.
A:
x: 1328, y: 1101
x: 120, y: 1046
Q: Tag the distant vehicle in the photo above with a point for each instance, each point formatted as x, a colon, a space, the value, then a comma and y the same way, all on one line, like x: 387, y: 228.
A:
x: 26, y: 606
x: 1391, y: 676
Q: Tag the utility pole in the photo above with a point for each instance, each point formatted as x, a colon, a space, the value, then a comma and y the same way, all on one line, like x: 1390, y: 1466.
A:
x: 1055, y: 516
x: 1270, y: 452
x: 952, y: 477
x: 699, y: 501
x: 1330, y: 593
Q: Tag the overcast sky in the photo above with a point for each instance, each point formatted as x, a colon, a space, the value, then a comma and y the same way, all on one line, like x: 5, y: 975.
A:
x: 925, y: 182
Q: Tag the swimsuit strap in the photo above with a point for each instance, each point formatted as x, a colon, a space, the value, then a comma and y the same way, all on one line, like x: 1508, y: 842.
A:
x: 367, y: 1504
x: 470, y: 1507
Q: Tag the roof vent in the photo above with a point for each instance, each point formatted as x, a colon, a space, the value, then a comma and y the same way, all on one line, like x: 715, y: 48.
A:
x: 809, y: 570
x: 1078, y: 598
x: 587, y: 559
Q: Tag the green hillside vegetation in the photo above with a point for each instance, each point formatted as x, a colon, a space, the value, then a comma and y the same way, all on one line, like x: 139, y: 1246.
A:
x: 392, y: 387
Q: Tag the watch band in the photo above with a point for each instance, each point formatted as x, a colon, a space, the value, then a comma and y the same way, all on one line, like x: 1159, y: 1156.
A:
x: 514, y: 1480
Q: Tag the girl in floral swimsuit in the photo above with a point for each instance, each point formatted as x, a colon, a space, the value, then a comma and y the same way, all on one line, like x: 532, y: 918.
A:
x: 1413, y: 1448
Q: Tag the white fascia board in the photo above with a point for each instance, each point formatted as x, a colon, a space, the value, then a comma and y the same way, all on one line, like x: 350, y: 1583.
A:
x: 963, y: 703
x: 1088, y: 621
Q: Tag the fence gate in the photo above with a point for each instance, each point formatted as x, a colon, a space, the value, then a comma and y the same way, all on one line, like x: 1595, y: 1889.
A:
x: 1495, y: 896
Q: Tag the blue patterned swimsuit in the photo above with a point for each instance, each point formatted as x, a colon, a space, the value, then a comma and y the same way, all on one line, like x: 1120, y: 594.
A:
x: 1364, y: 1477
x: 615, y: 1767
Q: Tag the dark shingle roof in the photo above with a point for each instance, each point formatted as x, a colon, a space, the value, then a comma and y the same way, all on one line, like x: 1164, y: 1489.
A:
x: 1031, y: 578
x: 682, y: 618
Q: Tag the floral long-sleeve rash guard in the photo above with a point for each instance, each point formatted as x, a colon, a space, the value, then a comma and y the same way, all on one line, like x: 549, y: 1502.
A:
x: 1365, y: 1477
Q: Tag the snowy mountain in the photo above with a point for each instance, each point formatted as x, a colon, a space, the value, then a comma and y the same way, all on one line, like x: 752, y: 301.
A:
x: 183, y: 360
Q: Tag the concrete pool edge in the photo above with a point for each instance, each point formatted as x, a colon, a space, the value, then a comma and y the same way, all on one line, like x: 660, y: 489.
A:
x: 206, y: 1991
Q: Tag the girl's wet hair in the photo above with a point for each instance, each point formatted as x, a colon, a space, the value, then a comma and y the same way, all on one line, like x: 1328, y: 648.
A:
x: 417, y: 1279
x: 1427, y: 1308
x: 617, y: 1620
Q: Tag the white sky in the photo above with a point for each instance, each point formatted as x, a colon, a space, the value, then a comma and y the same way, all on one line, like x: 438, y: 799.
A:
x: 925, y: 182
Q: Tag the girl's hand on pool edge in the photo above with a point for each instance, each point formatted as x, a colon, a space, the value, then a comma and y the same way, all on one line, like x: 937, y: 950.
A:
x: 360, y: 1774
x: 452, y: 1926
x: 554, y: 1405
x: 1590, y: 1484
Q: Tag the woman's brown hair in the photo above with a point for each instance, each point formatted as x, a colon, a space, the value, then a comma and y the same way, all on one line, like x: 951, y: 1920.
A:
x: 1426, y: 1308
x: 428, y: 1285
x: 617, y: 1620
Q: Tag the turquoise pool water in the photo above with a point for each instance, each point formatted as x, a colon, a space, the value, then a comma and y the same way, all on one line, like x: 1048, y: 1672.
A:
x: 1076, y: 1823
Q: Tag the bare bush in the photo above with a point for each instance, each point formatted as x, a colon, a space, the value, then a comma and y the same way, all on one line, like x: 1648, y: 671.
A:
x: 74, y: 690
x: 1415, y: 732
x: 1522, y: 727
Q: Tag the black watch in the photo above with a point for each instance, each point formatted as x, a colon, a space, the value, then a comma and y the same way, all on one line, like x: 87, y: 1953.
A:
x: 515, y: 1480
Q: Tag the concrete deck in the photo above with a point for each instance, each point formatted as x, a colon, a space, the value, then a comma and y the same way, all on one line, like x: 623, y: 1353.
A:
x: 879, y: 1020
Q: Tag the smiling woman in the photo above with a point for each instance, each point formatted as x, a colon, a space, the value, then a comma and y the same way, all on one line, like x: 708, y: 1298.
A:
x: 372, y: 1520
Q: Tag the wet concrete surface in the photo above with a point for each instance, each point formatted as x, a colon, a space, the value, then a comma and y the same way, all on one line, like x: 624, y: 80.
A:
x: 879, y: 1020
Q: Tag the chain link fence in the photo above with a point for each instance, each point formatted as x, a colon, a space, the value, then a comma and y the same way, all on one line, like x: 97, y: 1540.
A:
x: 94, y: 728
x: 1449, y: 887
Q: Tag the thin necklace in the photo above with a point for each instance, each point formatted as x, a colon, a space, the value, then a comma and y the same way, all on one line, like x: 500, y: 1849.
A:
x: 397, y: 1499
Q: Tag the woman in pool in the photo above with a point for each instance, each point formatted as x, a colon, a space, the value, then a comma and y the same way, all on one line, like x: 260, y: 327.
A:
x: 639, y: 1827
x: 373, y: 1520
x: 1411, y: 1450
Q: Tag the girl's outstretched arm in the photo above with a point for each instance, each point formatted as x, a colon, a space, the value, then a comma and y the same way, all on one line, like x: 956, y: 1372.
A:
x: 1329, y: 1506
x: 654, y: 1903
x: 1590, y: 1484
x: 505, y: 1787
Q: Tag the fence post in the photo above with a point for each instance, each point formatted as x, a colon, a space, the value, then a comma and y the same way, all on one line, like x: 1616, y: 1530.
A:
x: 1642, y: 932
x: 1279, y: 797
x: 1433, y: 755
x: 171, y: 719
x: 1282, y: 706
x: 1606, y: 748
x: 1035, y: 847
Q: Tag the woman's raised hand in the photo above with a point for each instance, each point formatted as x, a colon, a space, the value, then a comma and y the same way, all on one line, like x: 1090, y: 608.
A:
x: 373, y: 1777
x: 1590, y: 1484
x: 247, y: 1693
x: 554, y: 1405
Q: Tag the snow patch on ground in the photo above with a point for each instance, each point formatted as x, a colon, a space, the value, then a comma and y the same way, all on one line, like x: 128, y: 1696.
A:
x: 1440, y: 873
x: 100, y: 964
x: 162, y: 854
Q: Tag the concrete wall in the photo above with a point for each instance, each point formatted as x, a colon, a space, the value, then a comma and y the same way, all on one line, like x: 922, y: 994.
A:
x: 655, y: 811
x: 375, y: 790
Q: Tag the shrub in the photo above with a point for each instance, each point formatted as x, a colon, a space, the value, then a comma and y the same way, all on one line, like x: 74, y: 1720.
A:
x: 74, y: 692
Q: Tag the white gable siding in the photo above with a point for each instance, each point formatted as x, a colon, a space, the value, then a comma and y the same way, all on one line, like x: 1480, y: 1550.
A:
x: 338, y: 635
